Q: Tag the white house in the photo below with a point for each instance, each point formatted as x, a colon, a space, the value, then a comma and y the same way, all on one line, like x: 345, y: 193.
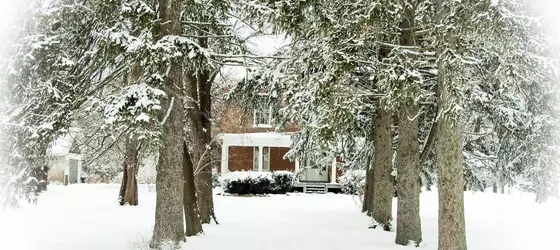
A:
x: 66, y: 158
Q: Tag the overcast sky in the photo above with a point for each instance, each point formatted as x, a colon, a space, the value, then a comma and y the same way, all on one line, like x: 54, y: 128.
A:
x: 267, y: 45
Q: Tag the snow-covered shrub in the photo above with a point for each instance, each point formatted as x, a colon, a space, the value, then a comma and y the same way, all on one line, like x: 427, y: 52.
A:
x: 252, y: 182
x: 247, y: 182
x: 117, y: 179
x: 215, y: 178
x: 55, y: 175
x: 147, y: 174
x: 283, y: 181
x: 353, y: 181
x: 103, y: 173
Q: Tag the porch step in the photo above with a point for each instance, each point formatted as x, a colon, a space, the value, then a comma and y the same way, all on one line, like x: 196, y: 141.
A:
x: 318, y: 189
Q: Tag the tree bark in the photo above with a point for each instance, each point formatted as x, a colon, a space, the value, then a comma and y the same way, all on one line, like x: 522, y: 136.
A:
x: 41, y: 174
x: 408, y: 153
x: 169, y: 181
x: 123, y: 185
x: 192, y: 220
x: 408, y: 176
x: 203, y: 178
x: 200, y: 127
x: 382, y: 186
x: 129, y: 185
x: 367, y: 201
x: 449, y: 158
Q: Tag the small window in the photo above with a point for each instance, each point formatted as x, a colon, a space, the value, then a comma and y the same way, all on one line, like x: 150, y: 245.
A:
x: 263, y: 112
x: 266, y: 159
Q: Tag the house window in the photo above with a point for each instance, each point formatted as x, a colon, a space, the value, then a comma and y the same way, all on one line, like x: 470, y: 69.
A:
x: 263, y: 112
x: 265, y: 157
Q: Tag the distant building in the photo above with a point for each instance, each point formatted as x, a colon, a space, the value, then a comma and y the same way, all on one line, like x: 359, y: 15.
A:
x: 66, y: 158
x: 249, y: 142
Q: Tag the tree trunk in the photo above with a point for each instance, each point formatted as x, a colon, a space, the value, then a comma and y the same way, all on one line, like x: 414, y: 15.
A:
x: 408, y: 153
x: 41, y: 174
x: 203, y: 180
x: 200, y: 127
x: 203, y: 177
x: 449, y: 158
x: 382, y: 186
x: 367, y: 201
x: 169, y: 181
x: 449, y: 161
x: 408, y: 176
x: 192, y: 220
x: 123, y: 185
x: 129, y: 185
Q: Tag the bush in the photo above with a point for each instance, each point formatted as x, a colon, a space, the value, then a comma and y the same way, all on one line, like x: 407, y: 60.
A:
x: 283, y: 181
x: 147, y: 174
x: 250, y: 182
x: 215, y: 178
x: 241, y: 182
x: 104, y: 172
x: 353, y: 181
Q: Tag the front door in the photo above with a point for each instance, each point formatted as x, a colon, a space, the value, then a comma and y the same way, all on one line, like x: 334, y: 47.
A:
x: 314, y: 173
x: 73, y: 171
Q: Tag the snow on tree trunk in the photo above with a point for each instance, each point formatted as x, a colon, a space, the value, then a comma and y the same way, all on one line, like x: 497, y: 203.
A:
x: 169, y: 181
x: 192, y: 220
x: 382, y: 186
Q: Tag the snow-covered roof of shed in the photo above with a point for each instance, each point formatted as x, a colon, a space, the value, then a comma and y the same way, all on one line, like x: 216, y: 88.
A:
x: 62, y: 145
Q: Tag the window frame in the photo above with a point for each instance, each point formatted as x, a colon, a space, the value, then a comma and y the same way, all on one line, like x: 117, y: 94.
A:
x: 262, y: 125
x: 266, y: 159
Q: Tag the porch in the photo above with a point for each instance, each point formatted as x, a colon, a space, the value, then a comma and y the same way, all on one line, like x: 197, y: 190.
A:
x: 317, y: 187
x: 239, y: 149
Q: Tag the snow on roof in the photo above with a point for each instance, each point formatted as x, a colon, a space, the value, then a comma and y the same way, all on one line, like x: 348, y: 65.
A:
x: 61, y: 145
x: 270, y: 139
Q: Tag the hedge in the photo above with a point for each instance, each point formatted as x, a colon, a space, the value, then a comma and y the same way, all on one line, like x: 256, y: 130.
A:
x: 251, y: 182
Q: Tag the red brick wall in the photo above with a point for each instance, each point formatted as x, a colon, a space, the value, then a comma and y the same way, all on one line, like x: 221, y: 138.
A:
x: 277, y: 161
x: 233, y: 119
x: 240, y: 158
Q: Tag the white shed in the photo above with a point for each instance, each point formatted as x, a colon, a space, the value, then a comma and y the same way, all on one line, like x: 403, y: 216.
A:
x: 66, y: 158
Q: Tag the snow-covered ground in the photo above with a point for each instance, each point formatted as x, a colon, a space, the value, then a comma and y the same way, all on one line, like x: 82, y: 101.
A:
x: 87, y: 217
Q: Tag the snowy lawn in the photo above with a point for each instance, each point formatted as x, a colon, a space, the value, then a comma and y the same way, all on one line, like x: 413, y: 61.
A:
x: 87, y: 217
